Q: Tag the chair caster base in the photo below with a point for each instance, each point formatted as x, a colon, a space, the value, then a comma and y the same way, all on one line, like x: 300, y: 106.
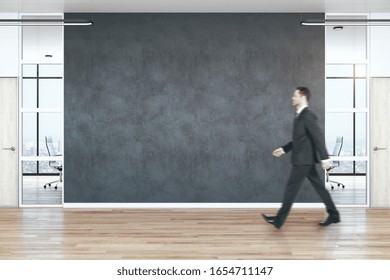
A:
x: 49, y: 185
x: 338, y: 185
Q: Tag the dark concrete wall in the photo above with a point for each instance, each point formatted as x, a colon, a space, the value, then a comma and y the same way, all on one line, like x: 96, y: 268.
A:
x: 185, y: 107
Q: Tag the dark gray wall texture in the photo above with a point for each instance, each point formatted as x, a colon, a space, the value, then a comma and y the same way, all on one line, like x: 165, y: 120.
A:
x: 185, y: 107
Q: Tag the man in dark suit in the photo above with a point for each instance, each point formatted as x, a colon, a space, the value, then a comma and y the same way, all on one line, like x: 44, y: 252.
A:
x: 307, y: 148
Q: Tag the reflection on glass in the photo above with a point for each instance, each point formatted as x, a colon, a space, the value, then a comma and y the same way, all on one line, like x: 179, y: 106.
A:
x: 29, y: 132
x: 29, y: 70
x: 360, y: 70
x: 361, y: 167
x: 339, y: 93
x: 360, y: 91
x: 45, y: 168
x: 339, y: 124
x: 346, y: 167
x: 355, y: 185
x: 339, y: 70
x: 29, y: 96
x: 342, y: 167
x: 354, y: 192
x: 361, y: 132
x: 50, y: 70
x: 33, y: 190
x: 29, y: 167
x: 50, y: 124
x: 43, y: 92
x: 50, y: 93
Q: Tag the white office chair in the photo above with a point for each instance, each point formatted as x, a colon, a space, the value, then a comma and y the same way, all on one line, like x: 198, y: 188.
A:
x: 334, y: 164
x: 52, y: 163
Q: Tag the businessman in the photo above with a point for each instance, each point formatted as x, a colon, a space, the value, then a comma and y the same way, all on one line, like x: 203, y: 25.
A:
x: 307, y: 148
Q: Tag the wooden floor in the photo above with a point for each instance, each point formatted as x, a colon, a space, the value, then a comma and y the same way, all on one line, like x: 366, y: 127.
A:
x: 56, y: 233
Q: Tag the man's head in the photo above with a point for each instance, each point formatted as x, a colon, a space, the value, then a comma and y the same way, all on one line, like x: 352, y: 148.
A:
x: 300, y: 97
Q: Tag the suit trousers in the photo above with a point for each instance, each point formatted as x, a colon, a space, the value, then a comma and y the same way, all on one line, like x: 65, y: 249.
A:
x: 297, y: 176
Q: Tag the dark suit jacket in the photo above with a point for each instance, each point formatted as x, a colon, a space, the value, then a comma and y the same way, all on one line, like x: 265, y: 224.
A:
x: 308, y: 142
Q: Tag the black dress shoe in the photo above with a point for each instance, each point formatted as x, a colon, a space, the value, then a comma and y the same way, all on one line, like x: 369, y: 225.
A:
x: 330, y: 220
x: 273, y: 221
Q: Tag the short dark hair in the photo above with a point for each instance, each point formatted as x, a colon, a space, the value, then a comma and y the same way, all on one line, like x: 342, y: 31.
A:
x: 304, y: 91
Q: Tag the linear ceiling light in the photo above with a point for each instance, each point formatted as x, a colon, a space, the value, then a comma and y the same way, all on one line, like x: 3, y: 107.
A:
x: 346, y: 22
x: 45, y: 22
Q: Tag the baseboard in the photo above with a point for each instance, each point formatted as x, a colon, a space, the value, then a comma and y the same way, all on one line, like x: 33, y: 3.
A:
x: 189, y: 205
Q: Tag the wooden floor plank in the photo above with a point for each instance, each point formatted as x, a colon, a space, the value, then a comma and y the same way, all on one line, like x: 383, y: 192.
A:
x: 55, y: 233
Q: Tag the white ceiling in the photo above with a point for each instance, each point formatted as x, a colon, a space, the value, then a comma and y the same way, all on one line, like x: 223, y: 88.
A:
x: 329, y: 6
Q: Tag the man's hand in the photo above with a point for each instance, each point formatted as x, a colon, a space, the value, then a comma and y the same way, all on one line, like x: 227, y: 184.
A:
x: 278, y: 152
x: 325, y: 165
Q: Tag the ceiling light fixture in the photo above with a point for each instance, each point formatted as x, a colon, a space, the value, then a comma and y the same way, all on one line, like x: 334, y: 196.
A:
x: 345, y: 22
x: 45, y: 22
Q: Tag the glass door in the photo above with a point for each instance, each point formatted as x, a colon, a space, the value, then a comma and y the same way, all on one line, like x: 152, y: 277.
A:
x: 42, y: 134
x: 346, y: 110
x: 41, y: 103
x: 347, y: 116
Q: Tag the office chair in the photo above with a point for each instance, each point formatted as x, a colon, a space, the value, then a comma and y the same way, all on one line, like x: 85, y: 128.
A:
x: 54, y: 164
x: 335, y: 163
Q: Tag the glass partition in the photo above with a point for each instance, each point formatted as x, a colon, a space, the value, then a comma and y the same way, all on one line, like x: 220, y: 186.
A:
x: 41, y: 119
x: 346, y: 115
x: 36, y: 188
x: 347, y: 188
